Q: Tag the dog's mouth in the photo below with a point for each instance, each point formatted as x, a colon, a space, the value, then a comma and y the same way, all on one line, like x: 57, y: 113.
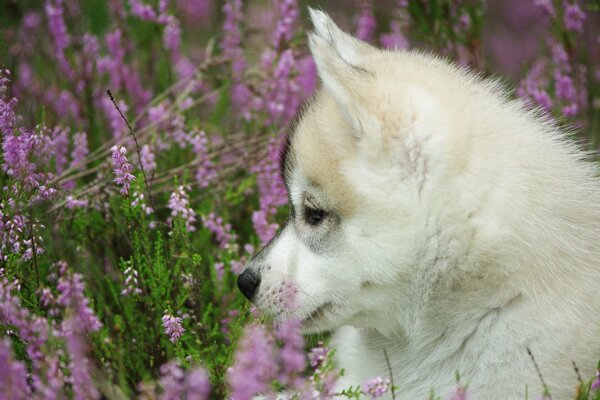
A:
x: 317, y: 314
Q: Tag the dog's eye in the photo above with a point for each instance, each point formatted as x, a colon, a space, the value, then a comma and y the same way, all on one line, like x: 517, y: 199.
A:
x: 314, y: 216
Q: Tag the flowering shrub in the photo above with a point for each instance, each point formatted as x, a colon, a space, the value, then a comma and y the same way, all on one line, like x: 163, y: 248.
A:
x: 126, y: 216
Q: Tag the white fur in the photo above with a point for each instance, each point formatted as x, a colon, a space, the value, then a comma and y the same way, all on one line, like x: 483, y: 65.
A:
x: 467, y: 229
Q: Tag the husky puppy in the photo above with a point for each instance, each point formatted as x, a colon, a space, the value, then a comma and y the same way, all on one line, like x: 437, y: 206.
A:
x: 435, y: 218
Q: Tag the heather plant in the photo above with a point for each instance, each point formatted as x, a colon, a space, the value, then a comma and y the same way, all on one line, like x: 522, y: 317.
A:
x: 125, y: 216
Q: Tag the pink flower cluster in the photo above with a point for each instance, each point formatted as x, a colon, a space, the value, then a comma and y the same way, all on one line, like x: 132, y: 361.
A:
x: 179, y: 203
x: 122, y: 168
x: 172, y: 326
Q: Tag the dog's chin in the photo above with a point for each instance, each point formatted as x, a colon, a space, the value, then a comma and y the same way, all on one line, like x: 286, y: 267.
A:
x: 326, y: 317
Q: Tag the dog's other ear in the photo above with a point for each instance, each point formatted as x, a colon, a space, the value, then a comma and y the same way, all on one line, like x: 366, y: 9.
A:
x: 338, y: 57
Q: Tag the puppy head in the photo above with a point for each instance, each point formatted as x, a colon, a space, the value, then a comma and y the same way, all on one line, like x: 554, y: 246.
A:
x: 356, y: 173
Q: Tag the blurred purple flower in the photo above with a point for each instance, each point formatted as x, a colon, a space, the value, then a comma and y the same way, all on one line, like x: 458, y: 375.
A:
x: 318, y: 355
x: 307, y: 75
x: 291, y: 355
x: 179, y: 205
x: 546, y: 7
x: 565, y: 87
x: 80, y: 148
x: 61, y: 38
x: 207, y: 171
x: 232, y: 38
x: 142, y: 11
x: 13, y: 375
x: 71, y: 288
x: 60, y: 146
x: 147, y: 157
x: 220, y: 230
x: 394, y: 39
x: 574, y: 17
x: 72, y: 203
x: 195, y: 11
x: 596, y: 382
x: 172, y: 381
x: 197, y: 385
x: 286, y: 23
x: 115, y: 121
x: 172, y: 38
x: 263, y: 228
x: 376, y: 387
x: 365, y: 22
x: 31, y: 329
x: 254, y: 367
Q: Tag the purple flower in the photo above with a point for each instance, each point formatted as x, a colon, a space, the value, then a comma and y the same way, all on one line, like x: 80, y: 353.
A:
x: 565, y: 87
x: 546, y: 7
x: 219, y: 270
x: 232, y: 37
x: 395, y: 39
x: 543, y: 99
x: 13, y: 375
x: 221, y: 230
x: 71, y: 288
x: 60, y: 145
x: 366, y: 23
x: 206, y: 172
x: 172, y: 381
x: 172, y: 38
x: 122, y: 168
x: 80, y: 364
x: 307, y: 75
x: 596, y: 382
x: 72, y: 203
x: 58, y: 30
x: 574, y: 17
x: 147, y: 156
x: 255, y: 367
x: 265, y: 230
x: 31, y: 329
x: 172, y: 326
x: 376, y: 387
x: 570, y: 110
x: 80, y: 148
x: 115, y: 121
x: 179, y: 205
x: 197, y: 385
x: 292, y: 356
x: 142, y: 11
x: 318, y: 355
x: 288, y: 17
x: 194, y: 11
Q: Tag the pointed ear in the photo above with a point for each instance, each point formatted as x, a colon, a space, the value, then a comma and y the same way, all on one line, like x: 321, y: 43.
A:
x: 339, y: 57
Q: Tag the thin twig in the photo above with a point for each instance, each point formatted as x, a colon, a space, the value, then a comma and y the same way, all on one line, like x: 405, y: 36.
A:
x: 537, y: 368
x: 137, y: 147
x: 389, y: 367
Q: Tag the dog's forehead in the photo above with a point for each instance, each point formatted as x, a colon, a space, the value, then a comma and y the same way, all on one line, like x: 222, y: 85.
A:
x: 319, y: 149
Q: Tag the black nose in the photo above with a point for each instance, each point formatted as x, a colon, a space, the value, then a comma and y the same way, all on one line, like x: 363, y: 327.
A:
x: 248, y: 282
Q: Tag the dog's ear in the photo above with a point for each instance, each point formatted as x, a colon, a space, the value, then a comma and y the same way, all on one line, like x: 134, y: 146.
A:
x: 338, y: 57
